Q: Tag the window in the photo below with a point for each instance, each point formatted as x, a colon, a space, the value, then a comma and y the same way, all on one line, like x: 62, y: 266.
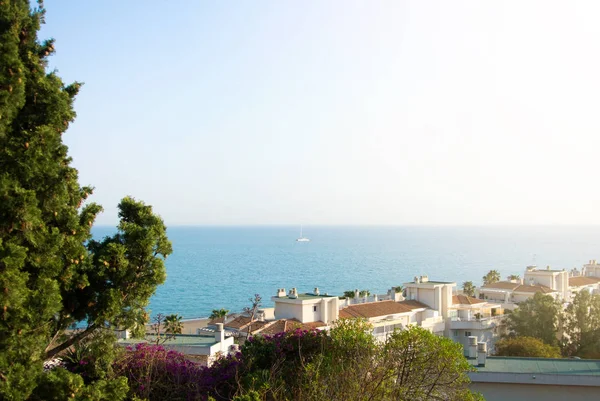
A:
x: 467, y: 334
x: 314, y: 308
x: 455, y: 333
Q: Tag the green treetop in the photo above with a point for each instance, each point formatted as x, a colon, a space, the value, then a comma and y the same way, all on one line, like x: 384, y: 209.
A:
x: 536, y: 317
x: 52, y: 274
x: 526, y: 347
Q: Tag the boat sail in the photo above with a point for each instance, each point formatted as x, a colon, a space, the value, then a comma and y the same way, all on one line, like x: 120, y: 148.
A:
x: 302, y: 238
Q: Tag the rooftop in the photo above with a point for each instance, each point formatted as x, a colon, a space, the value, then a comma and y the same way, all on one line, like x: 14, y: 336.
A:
x: 534, y: 288
x: 180, y: 339
x: 381, y: 308
x: 306, y: 295
x: 462, y: 299
x: 284, y: 325
x: 517, y: 287
x: 501, y: 285
x: 583, y: 367
x: 546, y: 270
x: 581, y: 281
x: 431, y: 282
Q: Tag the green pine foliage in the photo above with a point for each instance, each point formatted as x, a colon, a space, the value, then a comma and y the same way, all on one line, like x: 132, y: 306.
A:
x: 52, y: 274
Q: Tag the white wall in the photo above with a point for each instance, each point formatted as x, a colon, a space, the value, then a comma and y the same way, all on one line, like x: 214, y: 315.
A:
x: 285, y: 310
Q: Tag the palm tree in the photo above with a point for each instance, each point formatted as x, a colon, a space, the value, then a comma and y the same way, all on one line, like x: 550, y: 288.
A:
x: 349, y: 294
x: 173, y: 324
x: 468, y: 288
x: 514, y: 277
x: 217, y: 313
x: 493, y: 276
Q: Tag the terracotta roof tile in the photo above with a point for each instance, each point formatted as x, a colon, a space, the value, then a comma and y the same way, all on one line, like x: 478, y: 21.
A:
x: 501, y: 285
x: 381, y: 308
x: 534, y: 288
x: 582, y: 280
x: 462, y: 299
x: 238, y: 322
x: 283, y: 325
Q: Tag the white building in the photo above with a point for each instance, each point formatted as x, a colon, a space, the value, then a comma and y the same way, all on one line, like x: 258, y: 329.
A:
x: 583, y: 283
x: 472, y: 317
x: 591, y: 269
x: 510, y: 293
x: 557, y: 280
x: 307, y: 307
x: 437, y: 295
x: 387, y: 316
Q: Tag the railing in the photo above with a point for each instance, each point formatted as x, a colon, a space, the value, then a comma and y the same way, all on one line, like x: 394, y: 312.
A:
x: 474, y: 323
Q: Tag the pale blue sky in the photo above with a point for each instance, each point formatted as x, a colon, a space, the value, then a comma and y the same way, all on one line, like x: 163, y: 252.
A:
x: 336, y: 112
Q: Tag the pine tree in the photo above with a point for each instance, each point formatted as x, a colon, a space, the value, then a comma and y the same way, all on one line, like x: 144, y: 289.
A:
x: 51, y: 273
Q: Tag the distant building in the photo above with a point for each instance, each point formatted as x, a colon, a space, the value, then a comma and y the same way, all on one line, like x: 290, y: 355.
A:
x: 437, y: 295
x: 591, y: 269
x: 557, y: 280
x: 306, y: 307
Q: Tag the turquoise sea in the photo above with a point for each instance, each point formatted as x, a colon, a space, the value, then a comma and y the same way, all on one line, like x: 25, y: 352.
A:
x: 222, y: 267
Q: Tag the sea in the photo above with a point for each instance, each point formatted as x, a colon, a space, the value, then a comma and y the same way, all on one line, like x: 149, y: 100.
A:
x: 223, y: 267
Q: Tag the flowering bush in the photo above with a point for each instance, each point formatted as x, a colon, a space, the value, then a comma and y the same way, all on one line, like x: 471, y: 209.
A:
x: 155, y: 373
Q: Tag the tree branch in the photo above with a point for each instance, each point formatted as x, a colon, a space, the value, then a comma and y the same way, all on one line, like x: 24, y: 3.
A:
x: 77, y: 337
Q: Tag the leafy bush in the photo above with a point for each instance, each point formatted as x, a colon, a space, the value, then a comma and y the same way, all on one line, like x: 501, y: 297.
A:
x: 526, y: 347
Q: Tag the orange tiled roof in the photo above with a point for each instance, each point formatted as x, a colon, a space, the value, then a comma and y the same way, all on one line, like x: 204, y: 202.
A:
x: 582, y: 280
x: 382, y: 308
x: 283, y: 325
x: 462, y: 299
x: 534, y: 288
x: 238, y: 322
x: 502, y: 285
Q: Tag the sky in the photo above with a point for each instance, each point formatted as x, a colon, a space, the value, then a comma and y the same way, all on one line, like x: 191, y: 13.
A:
x: 335, y: 112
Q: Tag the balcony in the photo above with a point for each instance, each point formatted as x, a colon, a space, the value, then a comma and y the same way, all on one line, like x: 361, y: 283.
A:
x: 483, y: 323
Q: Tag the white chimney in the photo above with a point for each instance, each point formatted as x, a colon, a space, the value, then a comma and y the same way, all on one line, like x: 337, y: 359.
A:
x: 219, y: 333
x: 481, y: 353
x: 281, y: 292
x: 316, y: 291
x: 375, y: 298
x: 416, y: 280
x: 293, y: 293
x: 356, y: 293
x: 472, y: 347
x: 424, y: 279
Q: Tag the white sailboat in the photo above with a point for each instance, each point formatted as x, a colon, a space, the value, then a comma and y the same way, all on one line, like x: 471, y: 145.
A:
x: 302, y: 238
